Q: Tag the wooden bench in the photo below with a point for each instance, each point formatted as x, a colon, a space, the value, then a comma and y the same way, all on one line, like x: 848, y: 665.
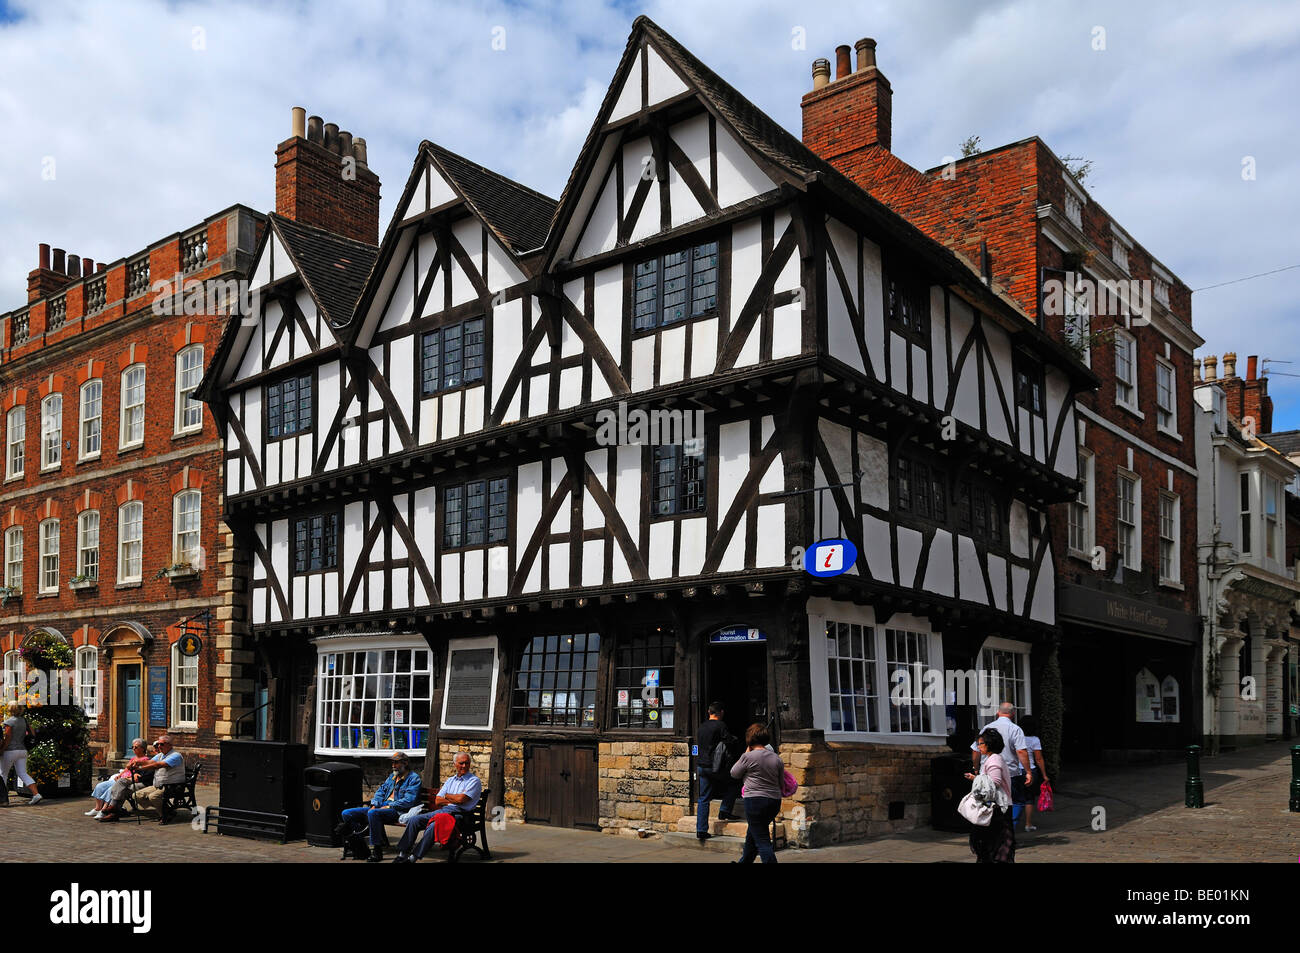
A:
x: 471, y: 827
x: 177, y: 795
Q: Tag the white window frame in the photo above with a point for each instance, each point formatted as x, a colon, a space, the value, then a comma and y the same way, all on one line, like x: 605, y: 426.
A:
x: 16, y: 439
x: 1174, y: 540
x: 820, y: 612
x: 46, y: 553
x: 1171, y: 411
x: 124, y: 541
x: 185, y: 386
x: 91, y: 427
x: 1128, y: 343
x: 185, y: 680
x: 1087, y: 476
x: 179, y: 554
x: 84, y: 544
x: 984, y: 668
x: 1272, y: 493
x: 127, y: 413
x: 51, y: 437
x: 334, y: 645
x: 1219, y: 403
x: 15, y: 675
x: 465, y: 645
x: 1129, y: 475
x: 1247, y: 521
x: 14, y: 561
x: 87, y: 669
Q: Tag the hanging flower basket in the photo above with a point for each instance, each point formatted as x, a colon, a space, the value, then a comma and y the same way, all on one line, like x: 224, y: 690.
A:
x: 46, y: 652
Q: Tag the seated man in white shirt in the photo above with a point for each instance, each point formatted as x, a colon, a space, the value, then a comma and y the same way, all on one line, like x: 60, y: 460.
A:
x: 167, y: 767
x: 459, y: 795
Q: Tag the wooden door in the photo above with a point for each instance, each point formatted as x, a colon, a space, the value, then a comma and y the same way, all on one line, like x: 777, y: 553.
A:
x: 561, y: 786
x: 130, y: 709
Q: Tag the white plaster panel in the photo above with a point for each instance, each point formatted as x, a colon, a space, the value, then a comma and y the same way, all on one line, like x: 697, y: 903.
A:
x: 693, y: 547
x: 998, y: 580
x: 704, y: 347
x: 771, y: 535
x: 473, y: 574
x: 739, y: 178
x: 450, y: 414
x: 451, y: 577
x: 876, y: 542
x: 733, y: 559
x: 629, y: 97
x: 559, y: 559
x: 593, y: 561
x: 643, y: 363
x: 969, y: 577
x: 938, y: 566
x: 909, y: 554
x: 672, y: 355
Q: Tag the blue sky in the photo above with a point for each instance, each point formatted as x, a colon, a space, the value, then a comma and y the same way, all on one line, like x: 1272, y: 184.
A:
x: 157, y: 114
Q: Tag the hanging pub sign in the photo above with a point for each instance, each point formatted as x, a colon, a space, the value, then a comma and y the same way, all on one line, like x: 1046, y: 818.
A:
x: 830, y: 557
x: 190, y: 645
x: 736, y: 633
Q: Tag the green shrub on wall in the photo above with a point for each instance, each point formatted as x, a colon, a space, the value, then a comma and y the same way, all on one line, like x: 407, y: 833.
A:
x: 1051, y: 710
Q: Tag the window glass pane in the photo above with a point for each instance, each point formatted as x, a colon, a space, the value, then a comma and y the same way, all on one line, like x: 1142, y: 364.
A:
x: 453, y: 518
x: 474, y: 350
x: 675, y: 280
x: 430, y: 363
x: 704, y: 278
x: 452, y: 369
x: 646, y: 294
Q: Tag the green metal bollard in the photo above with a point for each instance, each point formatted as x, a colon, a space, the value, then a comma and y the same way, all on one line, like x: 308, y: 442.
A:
x: 1195, y: 796
x: 1295, y: 778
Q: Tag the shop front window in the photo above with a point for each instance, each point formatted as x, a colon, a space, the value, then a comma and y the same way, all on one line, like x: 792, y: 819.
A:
x: 555, y: 683
x: 644, y: 688
x: 373, y: 698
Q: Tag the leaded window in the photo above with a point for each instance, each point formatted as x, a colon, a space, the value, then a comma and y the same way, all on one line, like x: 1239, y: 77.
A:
x: 909, y: 306
x: 476, y: 513
x: 452, y: 356
x: 289, y: 407
x: 315, y: 543
x: 555, y: 683
x: 679, y: 478
x: 676, y: 286
x: 851, y: 671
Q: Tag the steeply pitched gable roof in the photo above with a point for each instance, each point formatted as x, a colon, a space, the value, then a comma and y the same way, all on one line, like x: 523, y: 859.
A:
x: 334, y: 268
x: 519, y: 216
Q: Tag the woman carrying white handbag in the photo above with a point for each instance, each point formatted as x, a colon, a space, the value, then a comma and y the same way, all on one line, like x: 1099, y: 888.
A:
x: 988, y: 806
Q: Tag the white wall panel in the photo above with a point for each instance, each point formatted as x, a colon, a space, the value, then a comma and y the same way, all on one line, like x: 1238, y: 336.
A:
x: 876, y: 542
x: 969, y: 576
x: 473, y: 409
x: 694, y: 545
x: 602, y: 229
x: 450, y: 414
x: 643, y: 363
x: 661, y: 549
x: 704, y: 347
x: 771, y: 535
x: 733, y: 461
x: 607, y: 300
x: 938, y: 567
x: 629, y: 97
x: 450, y: 577
x: 593, y: 561
x: 739, y: 178
x: 909, y: 554
x: 473, y: 574
x: 672, y: 355
x: 559, y: 557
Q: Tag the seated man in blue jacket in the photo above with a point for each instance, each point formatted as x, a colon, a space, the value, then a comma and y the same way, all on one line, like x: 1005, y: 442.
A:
x: 399, y: 792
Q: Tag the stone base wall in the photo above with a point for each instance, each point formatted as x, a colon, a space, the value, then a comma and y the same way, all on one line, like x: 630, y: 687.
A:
x: 644, y: 786
x: 845, y: 790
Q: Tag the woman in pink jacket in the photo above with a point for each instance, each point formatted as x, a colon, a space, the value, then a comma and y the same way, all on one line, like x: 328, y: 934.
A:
x: 995, y: 844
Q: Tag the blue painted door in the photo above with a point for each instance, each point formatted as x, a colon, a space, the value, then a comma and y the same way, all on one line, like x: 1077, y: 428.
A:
x: 130, y: 706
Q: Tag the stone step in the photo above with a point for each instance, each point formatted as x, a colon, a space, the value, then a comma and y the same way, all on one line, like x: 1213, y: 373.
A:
x: 725, y: 843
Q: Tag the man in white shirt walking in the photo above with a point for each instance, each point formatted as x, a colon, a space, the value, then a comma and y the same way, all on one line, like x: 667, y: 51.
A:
x: 1015, y: 753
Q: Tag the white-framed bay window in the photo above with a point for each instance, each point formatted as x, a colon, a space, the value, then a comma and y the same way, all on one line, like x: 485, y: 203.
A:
x: 185, y: 689
x: 874, y: 682
x: 88, y: 680
x: 1003, y: 676
x: 373, y: 694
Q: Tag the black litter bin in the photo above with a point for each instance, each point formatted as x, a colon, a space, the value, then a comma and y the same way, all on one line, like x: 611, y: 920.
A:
x: 948, y: 785
x: 329, y: 789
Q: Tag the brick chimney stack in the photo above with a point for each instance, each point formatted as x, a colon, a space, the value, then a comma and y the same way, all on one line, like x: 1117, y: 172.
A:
x: 1247, y: 396
x: 48, y: 277
x: 846, y: 117
x: 318, y: 183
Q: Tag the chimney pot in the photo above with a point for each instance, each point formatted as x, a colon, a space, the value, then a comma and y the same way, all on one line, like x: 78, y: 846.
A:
x: 1230, y: 365
x: 359, y: 151
x: 59, y: 261
x: 866, y: 49
x: 74, y: 266
x: 43, y: 256
x: 1196, y: 368
x: 314, y: 129
x: 298, y: 122
x: 821, y: 72
x: 87, y: 267
x: 842, y: 67
x: 1252, y: 367
x: 332, y: 136
x: 100, y: 268
x: 1211, y: 368
x: 345, y: 143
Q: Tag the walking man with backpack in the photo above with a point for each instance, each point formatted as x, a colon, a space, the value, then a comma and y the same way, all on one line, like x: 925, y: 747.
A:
x: 716, y: 758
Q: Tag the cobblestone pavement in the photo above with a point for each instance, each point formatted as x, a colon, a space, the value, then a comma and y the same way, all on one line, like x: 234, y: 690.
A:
x: 1245, y: 819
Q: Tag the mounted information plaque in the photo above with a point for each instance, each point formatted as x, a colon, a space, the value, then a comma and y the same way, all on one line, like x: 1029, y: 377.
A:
x: 469, y: 688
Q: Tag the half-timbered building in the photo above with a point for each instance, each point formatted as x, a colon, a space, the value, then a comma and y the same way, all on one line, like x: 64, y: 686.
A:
x: 534, y: 478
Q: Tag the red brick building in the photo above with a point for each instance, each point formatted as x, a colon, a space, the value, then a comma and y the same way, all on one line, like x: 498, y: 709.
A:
x: 1020, y: 219
x: 111, y: 494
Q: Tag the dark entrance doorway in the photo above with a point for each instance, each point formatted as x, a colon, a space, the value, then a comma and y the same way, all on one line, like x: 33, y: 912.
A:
x: 735, y: 673
x: 560, y: 785
x: 129, y: 705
